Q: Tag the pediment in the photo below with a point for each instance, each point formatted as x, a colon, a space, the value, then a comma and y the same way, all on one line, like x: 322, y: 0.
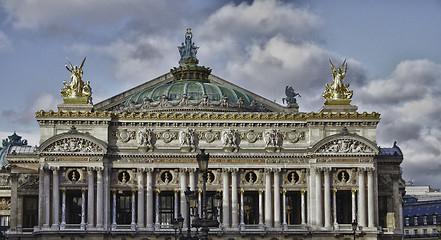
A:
x: 73, y: 142
x: 345, y: 143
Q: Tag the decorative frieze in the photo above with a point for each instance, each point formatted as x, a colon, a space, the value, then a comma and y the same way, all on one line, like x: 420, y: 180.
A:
x: 74, y: 144
x: 345, y: 146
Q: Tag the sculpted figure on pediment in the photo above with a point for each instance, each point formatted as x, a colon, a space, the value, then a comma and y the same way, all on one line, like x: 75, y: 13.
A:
x: 345, y: 146
x: 27, y: 182
x: 145, y: 139
x: 273, y: 140
x: 187, y: 140
x: 74, y: 145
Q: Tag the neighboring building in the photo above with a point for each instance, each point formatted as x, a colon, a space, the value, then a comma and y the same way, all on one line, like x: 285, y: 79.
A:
x: 422, y: 219
x: 422, y: 193
x: 119, y: 169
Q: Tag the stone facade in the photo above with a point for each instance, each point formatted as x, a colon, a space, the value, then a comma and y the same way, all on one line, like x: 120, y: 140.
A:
x: 119, y: 171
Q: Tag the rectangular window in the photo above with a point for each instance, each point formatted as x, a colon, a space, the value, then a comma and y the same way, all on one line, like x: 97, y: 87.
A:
x: 73, y: 206
x: 407, y: 221
x: 415, y: 221
x: 425, y: 220
x: 434, y: 220
x: 251, y: 207
x: 30, y: 211
x: 293, y: 208
x: 166, y: 208
x: 124, y: 208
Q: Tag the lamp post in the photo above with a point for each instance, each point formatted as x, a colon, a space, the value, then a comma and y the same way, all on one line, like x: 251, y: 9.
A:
x: 354, y: 225
x: 177, y: 224
x: 204, y: 223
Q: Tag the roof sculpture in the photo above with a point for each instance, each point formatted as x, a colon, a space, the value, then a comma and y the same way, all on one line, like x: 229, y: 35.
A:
x: 338, y: 93
x: 12, y: 141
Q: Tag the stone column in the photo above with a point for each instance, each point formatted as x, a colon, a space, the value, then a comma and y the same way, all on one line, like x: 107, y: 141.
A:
x: 83, y: 209
x: 371, y: 200
x: 234, y: 203
x: 20, y: 214
x: 114, y: 210
x: 361, y: 197
x: 157, y: 223
x: 303, y: 206
x: 140, y: 176
x: 55, y: 198
x: 14, y: 202
x: 354, y: 206
x: 277, y: 198
x: 99, y: 198
x: 225, y: 198
x: 63, y: 209
x: 90, y: 198
x: 334, y: 207
x: 149, y: 204
x: 47, y: 198
x: 200, y: 202
x: 284, y: 223
x: 268, y: 207
x: 318, y: 199
x: 176, y: 207
x: 184, y: 209
x: 191, y: 178
x: 41, y: 202
x: 242, y: 215
x: 261, y: 208
x: 327, y: 201
x: 133, y: 223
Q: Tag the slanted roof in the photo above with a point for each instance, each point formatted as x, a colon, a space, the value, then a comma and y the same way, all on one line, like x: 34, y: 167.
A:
x: 14, y: 145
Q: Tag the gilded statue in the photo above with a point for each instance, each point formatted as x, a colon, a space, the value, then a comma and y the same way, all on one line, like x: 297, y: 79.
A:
x: 338, y: 90
x: 76, y: 90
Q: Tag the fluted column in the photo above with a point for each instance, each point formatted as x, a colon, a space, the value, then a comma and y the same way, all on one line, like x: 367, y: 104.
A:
x: 47, y: 198
x: 90, y: 198
x: 157, y: 223
x: 261, y: 207
x: 140, y: 176
x: 303, y: 205
x: 334, y: 207
x: 184, y: 209
x: 149, y: 204
x: 284, y: 223
x: 242, y: 215
x: 176, y: 207
x: 234, y: 203
x: 276, y: 198
x: 361, y: 197
x: 99, y: 198
x: 63, y: 209
x: 55, y: 198
x: 371, y: 200
x: 191, y: 178
x: 268, y: 207
x: 225, y: 198
x: 133, y: 223
x: 114, y: 210
x: 318, y: 195
x: 327, y: 202
x: 83, y: 209
x: 354, y: 206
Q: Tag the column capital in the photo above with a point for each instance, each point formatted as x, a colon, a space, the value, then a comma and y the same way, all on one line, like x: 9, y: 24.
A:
x: 334, y: 190
x: 191, y: 170
x: 303, y: 192
x: 183, y: 170
x: 83, y: 190
x: 260, y: 191
x: 234, y: 170
x: 149, y: 170
x: 277, y: 170
x: 370, y: 169
x: 90, y: 169
x: 99, y: 169
x: 361, y: 170
x: 268, y: 170
x: 318, y: 170
x: 54, y: 168
x: 283, y: 192
x: 327, y: 169
x: 141, y: 170
x: 63, y: 190
x: 241, y: 191
x: 353, y: 191
x: 176, y: 191
x: 157, y: 191
x: 226, y: 170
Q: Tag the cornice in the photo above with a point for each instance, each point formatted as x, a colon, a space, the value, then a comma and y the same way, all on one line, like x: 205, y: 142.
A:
x: 212, y: 116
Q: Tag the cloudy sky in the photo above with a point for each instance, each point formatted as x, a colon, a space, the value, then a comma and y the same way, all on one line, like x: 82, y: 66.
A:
x: 393, y: 51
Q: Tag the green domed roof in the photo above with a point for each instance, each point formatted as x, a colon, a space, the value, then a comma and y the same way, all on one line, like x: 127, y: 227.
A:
x: 193, y: 90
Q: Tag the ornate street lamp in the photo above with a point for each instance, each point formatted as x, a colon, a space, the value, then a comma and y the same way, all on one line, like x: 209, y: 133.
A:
x: 203, y: 222
x: 354, y: 227
x: 177, y: 224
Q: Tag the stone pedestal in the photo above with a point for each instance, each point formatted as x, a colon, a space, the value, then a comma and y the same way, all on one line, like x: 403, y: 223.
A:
x: 75, y: 107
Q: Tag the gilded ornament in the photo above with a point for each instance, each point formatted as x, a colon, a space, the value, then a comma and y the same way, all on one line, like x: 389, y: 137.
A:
x: 76, y: 91
x: 338, y: 93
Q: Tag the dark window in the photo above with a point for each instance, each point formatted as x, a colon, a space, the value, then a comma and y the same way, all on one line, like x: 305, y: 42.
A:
x: 344, y: 207
x: 293, y: 208
x: 251, y: 207
x: 166, y: 208
x: 73, y: 207
x: 30, y: 211
x: 124, y: 208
